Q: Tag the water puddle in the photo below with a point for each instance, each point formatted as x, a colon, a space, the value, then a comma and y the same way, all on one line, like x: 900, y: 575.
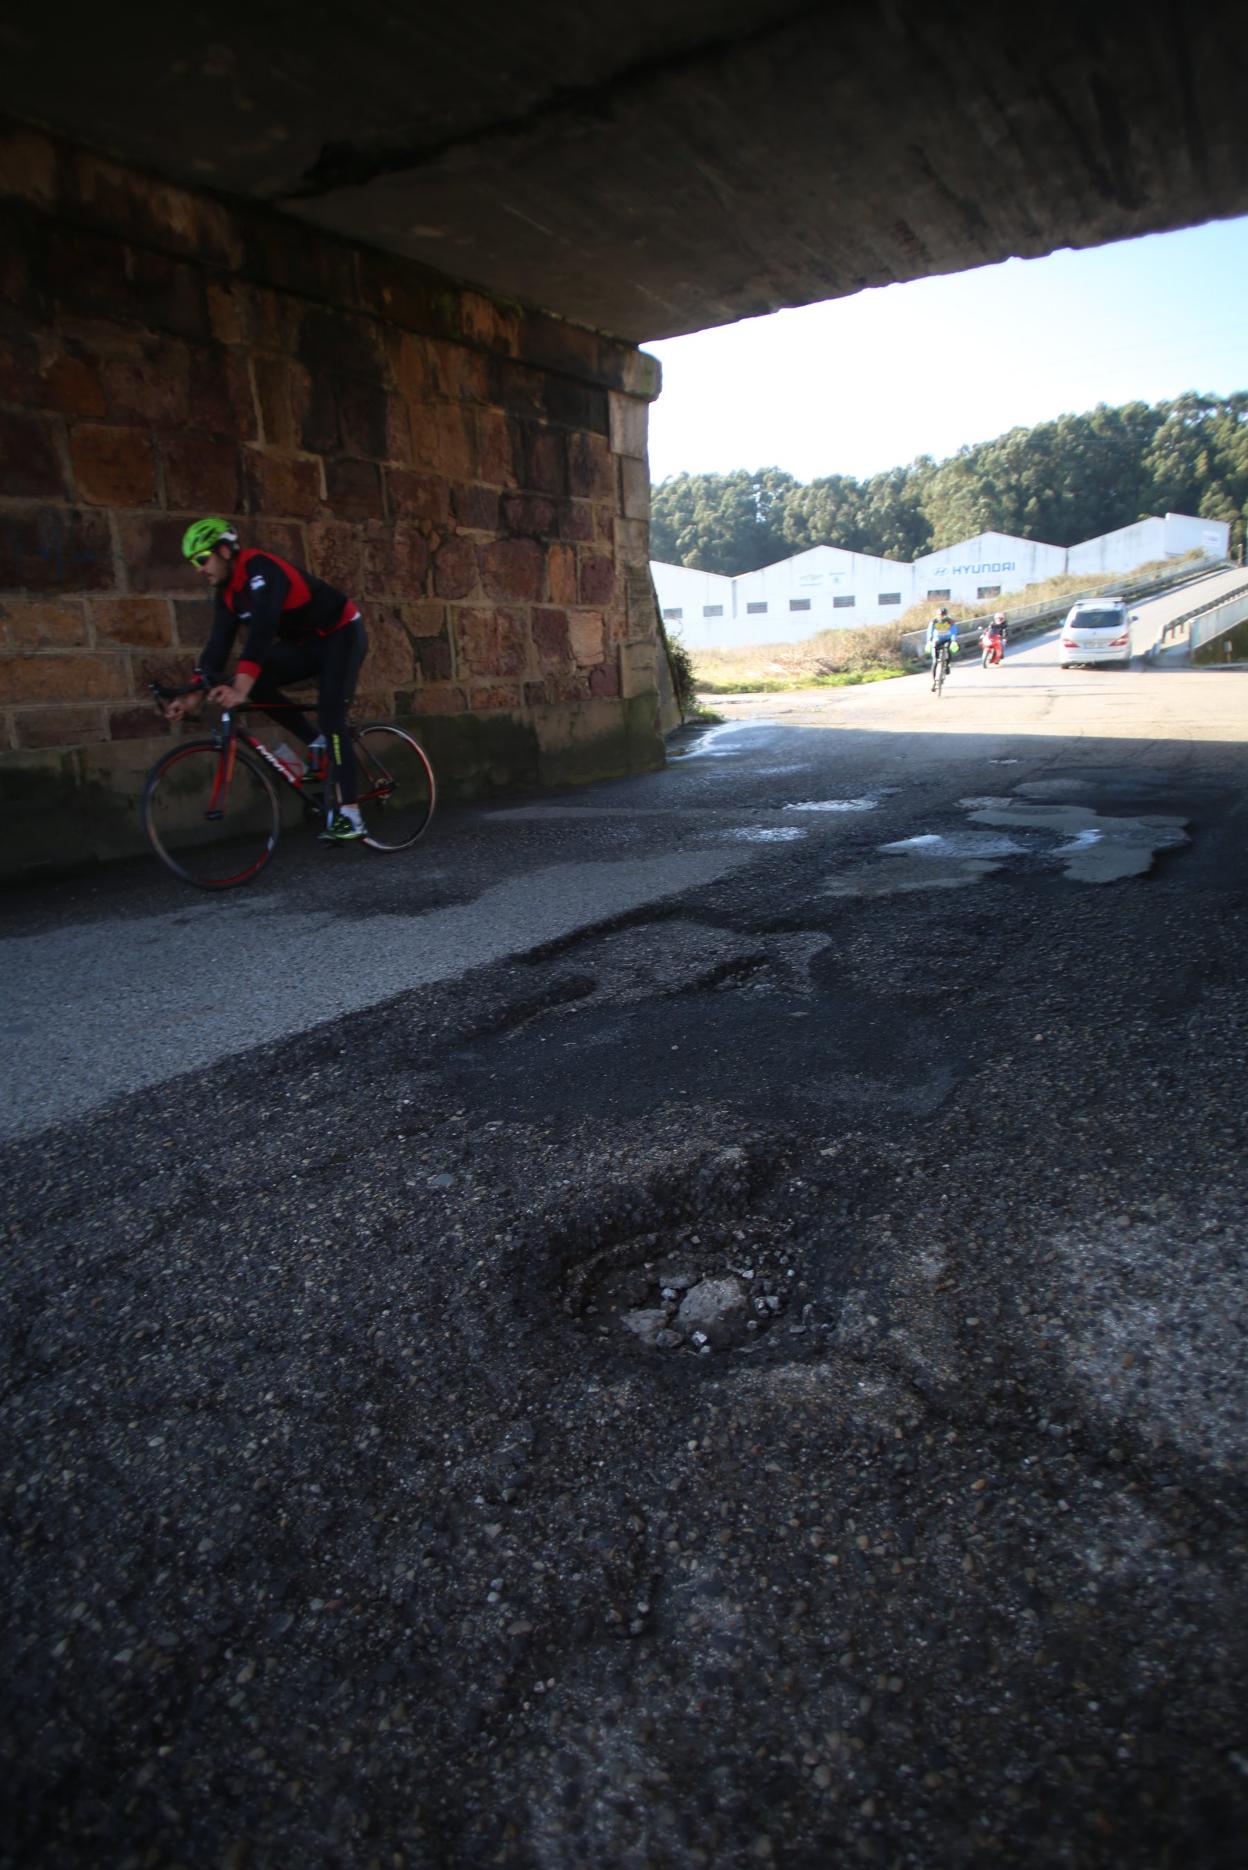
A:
x: 1096, y: 849
x: 1091, y: 847
x: 711, y: 745
x: 834, y: 805
x: 764, y: 834
x: 954, y: 844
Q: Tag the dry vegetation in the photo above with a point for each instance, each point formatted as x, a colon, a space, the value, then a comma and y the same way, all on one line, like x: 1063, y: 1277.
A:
x: 1044, y: 591
x: 831, y: 656
x: 871, y: 654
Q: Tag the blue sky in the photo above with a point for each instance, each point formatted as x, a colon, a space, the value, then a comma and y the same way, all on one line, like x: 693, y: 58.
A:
x: 856, y: 385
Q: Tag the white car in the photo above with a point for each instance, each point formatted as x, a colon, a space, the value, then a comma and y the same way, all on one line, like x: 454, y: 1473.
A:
x: 1097, y: 629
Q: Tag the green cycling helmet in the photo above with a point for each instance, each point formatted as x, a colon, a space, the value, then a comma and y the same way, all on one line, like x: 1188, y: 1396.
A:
x: 203, y: 536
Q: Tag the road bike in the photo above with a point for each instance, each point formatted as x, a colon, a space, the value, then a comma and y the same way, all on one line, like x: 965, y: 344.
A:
x: 942, y: 667
x: 211, y: 809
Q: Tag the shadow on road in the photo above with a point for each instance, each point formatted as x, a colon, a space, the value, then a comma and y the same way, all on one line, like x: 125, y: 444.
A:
x: 371, y: 1497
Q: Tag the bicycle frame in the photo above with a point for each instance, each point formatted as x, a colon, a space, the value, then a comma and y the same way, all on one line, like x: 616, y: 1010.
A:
x: 229, y: 731
x: 232, y: 731
x: 378, y: 782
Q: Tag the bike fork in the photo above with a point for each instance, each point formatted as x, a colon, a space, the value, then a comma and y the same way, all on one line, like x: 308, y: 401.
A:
x: 222, y: 777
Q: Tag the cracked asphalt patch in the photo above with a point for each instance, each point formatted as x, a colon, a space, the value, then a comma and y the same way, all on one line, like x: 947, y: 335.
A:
x: 1099, y: 847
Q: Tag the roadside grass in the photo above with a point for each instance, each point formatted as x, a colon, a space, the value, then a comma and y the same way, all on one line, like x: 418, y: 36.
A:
x: 845, y: 658
x: 680, y: 664
x: 830, y: 659
x: 776, y: 685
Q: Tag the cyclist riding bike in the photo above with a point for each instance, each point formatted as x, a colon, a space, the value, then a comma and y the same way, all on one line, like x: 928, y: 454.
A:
x: 942, y: 631
x: 296, y: 627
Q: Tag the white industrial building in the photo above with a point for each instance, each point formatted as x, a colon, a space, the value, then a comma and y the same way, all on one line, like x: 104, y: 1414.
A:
x: 828, y: 589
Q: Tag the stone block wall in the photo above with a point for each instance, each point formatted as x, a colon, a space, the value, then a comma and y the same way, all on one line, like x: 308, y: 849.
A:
x: 472, y: 474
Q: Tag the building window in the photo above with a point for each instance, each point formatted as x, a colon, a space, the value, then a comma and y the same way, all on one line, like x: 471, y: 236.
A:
x: 938, y: 594
x: 842, y: 603
x: 755, y: 610
x: 989, y: 590
x: 712, y: 610
x: 672, y: 616
x: 889, y: 597
x: 799, y: 603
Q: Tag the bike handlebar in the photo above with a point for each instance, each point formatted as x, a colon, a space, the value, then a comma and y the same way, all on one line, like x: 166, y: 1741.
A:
x: 163, y: 692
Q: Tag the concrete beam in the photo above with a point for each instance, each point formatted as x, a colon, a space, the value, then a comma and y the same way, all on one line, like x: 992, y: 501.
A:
x: 678, y: 163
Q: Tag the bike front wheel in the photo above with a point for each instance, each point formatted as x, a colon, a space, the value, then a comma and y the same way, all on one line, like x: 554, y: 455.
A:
x: 211, y: 814
x: 397, y: 790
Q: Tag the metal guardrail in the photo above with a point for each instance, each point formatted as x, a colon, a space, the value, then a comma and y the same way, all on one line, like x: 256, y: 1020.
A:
x: 1030, y: 616
x: 1193, y: 621
x: 1217, y: 618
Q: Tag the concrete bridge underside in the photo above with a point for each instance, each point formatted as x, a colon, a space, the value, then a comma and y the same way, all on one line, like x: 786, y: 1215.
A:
x: 652, y: 169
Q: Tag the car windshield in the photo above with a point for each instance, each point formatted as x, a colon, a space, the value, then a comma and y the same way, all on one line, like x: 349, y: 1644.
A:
x: 1098, y: 620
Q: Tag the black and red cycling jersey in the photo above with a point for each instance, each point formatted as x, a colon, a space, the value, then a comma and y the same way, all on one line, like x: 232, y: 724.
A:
x: 275, y: 600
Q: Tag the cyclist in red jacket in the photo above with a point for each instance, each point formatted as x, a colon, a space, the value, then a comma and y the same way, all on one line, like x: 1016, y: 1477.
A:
x: 296, y: 627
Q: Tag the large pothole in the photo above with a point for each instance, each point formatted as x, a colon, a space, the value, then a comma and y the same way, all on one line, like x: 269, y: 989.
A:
x: 697, y: 1291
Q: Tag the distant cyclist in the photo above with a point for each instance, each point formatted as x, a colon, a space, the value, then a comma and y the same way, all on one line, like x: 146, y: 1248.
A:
x: 941, y: 631
x: 992, y: 640
x: 296, y: 627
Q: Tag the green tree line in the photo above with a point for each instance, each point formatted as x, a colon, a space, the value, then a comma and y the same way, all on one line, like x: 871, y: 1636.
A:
x: 1060, y: 482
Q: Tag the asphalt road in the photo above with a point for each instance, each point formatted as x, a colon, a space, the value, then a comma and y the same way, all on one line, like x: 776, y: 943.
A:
x: 128, y: 980
x: 347, y: 1522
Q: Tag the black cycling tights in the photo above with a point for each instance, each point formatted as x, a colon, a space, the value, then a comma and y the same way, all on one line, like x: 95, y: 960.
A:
x: 335, y: 662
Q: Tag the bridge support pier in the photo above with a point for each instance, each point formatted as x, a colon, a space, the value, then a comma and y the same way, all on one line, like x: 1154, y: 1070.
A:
x: 472, y: 474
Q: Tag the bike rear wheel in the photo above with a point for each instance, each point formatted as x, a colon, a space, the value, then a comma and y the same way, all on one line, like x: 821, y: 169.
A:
x: 211, y: 814
x: 397, y: 791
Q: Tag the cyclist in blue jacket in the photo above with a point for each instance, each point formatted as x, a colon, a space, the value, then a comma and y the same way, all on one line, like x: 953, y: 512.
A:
x: 942, y: 629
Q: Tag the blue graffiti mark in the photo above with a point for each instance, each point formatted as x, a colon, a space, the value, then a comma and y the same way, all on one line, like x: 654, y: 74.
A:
x: 60, y: 545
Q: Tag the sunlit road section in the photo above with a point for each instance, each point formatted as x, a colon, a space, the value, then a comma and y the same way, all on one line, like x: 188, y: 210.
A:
x: 1030, y: 693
